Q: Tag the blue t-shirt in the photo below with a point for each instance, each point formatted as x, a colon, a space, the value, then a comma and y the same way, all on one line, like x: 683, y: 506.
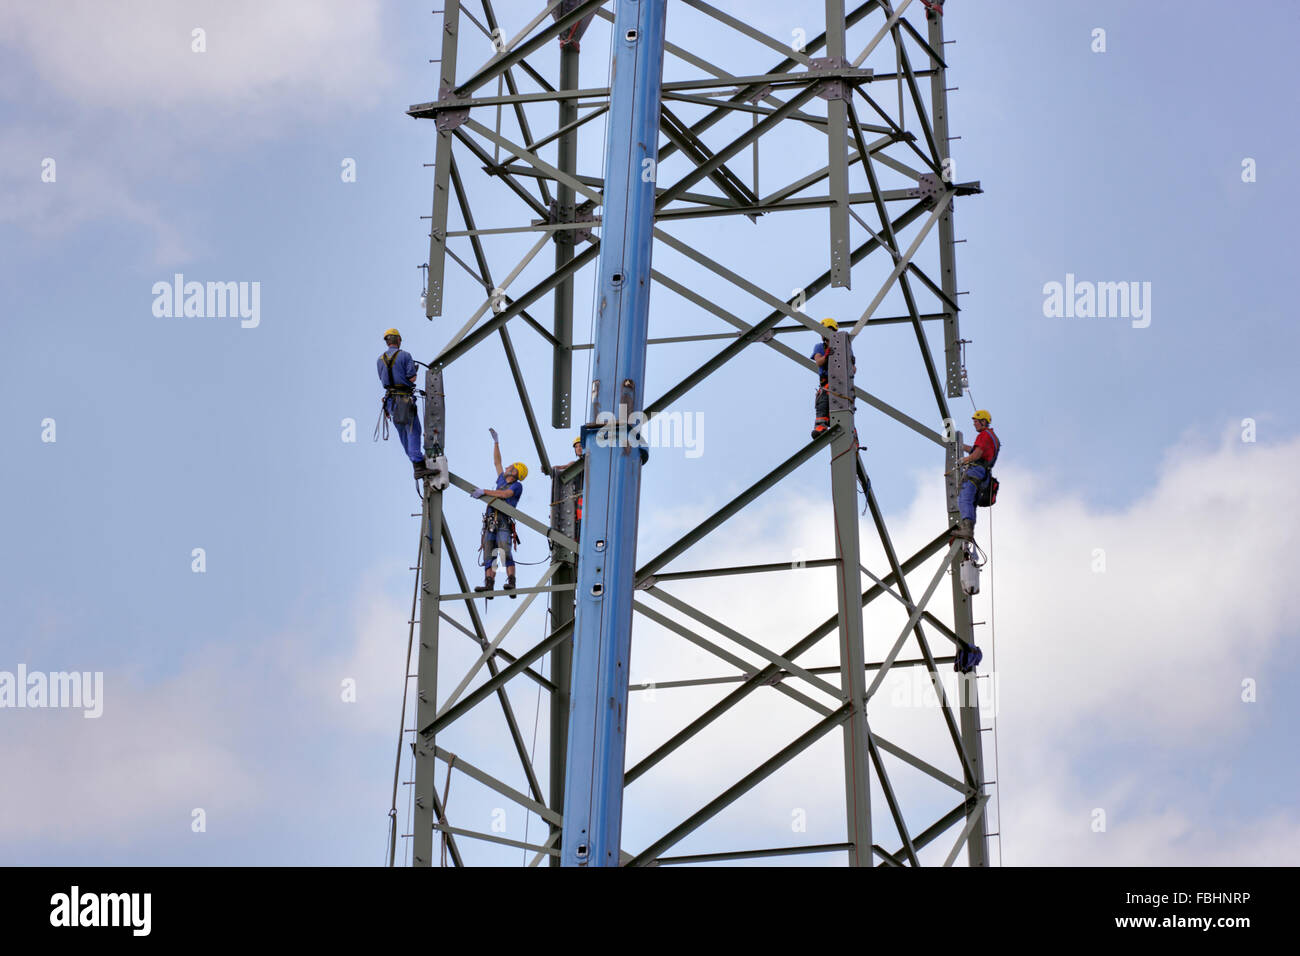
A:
x: 516, y: 489
x: 823, y: 372
x: 403, y: 367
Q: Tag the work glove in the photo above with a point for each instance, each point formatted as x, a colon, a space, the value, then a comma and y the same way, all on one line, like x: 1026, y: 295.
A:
x: 493, y: 433
x: 476, y: 493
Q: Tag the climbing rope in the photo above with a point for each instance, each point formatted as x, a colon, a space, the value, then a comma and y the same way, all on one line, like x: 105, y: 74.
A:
x: 401, y: 725
x: 851, y: 448
x: 537, y: 719
x: 993, y: 653
x: 410, y: 817
x: 993, y: 664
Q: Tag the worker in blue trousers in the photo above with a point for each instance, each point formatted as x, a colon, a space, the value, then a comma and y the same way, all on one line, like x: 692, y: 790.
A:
x: 397, y: 372
x: 821, y: 358
x: 978, y: 465
x: 499, y: 532
x: 978, y: 488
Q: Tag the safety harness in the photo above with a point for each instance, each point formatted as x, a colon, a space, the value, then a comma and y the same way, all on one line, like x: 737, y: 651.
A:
x: 403, y: 395
x: 393, y: 385
x: 823, y: 422
x: 494, y: 521
x: 986, y: 490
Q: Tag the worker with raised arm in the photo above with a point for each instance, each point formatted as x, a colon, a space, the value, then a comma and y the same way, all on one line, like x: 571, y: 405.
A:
x: 397, y: 372
x: 499, y: 528
x: 978, y: 465
x: 821, y: 358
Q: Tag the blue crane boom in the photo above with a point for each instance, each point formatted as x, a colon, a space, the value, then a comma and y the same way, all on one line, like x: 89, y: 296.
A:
x: 602, y: 635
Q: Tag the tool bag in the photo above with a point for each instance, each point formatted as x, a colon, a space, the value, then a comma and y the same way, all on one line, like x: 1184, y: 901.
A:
x: 986, y: 492
x: 403, y: 408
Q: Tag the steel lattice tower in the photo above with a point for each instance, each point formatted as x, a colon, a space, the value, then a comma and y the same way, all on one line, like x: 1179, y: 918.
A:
x: 870, y: 115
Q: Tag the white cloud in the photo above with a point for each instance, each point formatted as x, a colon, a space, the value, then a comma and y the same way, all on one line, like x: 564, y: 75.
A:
x: 137, y: 110
x: 225, y: 733
x: 1063, y: 720
x: 1193, y: 598
x: 1148, y: 655
x: 157, y: 752
x: 1051, y: 823
x: 260, y: 55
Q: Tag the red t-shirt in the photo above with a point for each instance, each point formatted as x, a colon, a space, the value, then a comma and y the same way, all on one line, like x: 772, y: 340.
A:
x: 984, y: 441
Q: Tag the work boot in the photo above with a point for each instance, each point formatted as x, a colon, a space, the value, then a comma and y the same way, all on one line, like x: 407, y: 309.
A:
x: 485, y: 589
x: 421, y: 469
x: 965, y: 529
x: 510, y: 586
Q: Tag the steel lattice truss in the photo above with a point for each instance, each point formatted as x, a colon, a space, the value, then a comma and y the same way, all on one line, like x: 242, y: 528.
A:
x: 863, y: 105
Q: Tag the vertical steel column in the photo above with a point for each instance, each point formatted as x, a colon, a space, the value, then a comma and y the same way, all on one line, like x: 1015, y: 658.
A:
x: 442, y: 162
x: 426, y: 683
x: 947, y: 257
x: 593, y: 795
x: 565, y: 239
x: 853, y: 679
x: 564, y: 520
x: 838, y: 144
x: 977, y: 847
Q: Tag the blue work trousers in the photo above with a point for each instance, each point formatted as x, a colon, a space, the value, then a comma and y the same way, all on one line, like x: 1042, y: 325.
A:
x: 975, y: 475
x: 408, y: 435
x: 496, y: 546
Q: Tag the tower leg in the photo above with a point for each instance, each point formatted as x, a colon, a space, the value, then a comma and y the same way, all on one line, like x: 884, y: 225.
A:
x: 442, y: 164
x: 562, y: 519
x: 837, y: 138
x: 947, y: 254
x: 565, y: 240
x: 426, y: 684
x: 977, y: 846
x: 853, y: 679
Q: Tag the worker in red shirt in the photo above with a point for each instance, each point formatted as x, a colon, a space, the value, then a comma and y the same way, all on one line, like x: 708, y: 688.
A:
x: 577, y: 490
x: 978, y: 465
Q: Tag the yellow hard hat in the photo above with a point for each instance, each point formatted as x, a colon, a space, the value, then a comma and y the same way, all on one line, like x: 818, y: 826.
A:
x: 831, y: 324
x: 982, y: 416
x: 392, y: 332
x: 577, y: 439
x: 520, y: 469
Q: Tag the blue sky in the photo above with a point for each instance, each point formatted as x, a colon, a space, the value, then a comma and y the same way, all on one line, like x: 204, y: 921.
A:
x: 176, y: 434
